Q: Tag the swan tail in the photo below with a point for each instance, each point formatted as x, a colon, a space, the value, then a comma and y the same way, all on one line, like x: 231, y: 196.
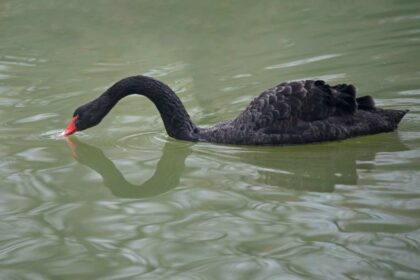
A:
x: 395, y: 116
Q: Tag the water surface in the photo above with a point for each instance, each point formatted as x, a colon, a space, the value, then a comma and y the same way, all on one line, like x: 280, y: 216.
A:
x: 125, y: 201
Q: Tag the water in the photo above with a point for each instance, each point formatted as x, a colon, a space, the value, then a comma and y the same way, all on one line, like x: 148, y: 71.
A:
x: 125, y: 201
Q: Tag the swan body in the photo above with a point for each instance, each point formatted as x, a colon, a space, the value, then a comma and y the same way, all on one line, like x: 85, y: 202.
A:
x: 295, y: 112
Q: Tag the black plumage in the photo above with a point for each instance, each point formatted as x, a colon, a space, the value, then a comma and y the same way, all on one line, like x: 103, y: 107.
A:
x: 290, y: 113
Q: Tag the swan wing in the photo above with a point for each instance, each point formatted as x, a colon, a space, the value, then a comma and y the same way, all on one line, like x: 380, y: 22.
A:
x: 289, y: 104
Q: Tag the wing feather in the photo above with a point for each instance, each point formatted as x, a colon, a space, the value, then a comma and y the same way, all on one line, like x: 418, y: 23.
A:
x: 297, y: 102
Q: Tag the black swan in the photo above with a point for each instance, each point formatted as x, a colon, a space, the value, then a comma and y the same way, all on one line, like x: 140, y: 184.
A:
x: 290, y: 113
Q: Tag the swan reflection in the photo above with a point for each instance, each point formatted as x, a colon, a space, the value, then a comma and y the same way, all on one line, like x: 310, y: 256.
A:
x: 318, y: 167
x: 166, y: 176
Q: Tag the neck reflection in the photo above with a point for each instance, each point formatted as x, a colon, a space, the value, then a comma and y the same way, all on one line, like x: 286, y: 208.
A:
x: 172, y: 159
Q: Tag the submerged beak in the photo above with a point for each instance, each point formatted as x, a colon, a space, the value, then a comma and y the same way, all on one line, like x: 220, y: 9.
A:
x: 73, y: 147
x: 72, y: 127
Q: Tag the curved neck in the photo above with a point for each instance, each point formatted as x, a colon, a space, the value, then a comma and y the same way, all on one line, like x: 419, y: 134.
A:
x: 177, y: 122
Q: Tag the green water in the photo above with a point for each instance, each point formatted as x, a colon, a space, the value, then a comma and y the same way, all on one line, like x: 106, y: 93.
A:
x: 124, y: 201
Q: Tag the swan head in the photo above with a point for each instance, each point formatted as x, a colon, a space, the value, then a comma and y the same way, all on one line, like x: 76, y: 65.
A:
x: 86, y: 116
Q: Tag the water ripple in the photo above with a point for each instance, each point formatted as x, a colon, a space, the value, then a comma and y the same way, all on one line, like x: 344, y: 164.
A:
x: 142, y: 141
x: 303, y: 61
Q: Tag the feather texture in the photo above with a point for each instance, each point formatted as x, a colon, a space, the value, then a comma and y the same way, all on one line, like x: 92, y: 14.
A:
x: 303, y: 112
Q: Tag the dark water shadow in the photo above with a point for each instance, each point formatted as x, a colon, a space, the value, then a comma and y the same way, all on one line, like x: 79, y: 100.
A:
x: 172, y: 159
x: 320, y: 167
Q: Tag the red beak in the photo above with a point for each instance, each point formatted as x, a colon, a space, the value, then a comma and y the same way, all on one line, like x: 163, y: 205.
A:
x: 72, y: 127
